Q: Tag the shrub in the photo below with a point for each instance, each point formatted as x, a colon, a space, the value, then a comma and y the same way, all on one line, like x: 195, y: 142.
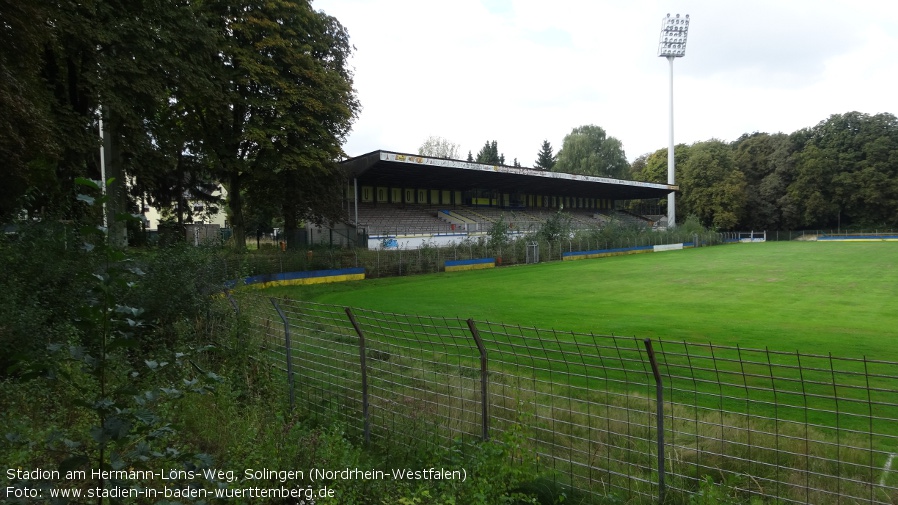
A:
x: 39, y: 288
x: 175, y: 290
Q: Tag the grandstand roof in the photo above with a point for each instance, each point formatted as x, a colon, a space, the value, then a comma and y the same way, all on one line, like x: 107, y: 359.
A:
x: 399, y: 170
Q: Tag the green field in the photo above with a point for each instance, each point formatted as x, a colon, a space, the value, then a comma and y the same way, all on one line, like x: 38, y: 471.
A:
x: 811, y: 297
x: 731, y: 412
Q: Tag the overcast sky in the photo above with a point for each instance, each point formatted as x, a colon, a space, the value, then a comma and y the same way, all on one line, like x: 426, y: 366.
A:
x: 521, y: 71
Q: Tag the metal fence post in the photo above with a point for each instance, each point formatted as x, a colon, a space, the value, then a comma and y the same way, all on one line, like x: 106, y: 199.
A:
x: 484, y: 382
x: 659, y: 394
x: 288, y: 347
x: 365, y: 418
x: 233, y: 302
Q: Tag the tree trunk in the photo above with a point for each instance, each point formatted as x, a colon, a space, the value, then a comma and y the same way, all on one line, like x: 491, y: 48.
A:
x: 291, y: 227
x: 235, y: 205
x: 181, y: 202
x: 117, y: 201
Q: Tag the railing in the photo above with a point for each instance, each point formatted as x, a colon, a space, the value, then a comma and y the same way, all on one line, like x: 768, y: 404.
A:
x: 638, y: 419
x: 815, y: 234
x: 397, y: 262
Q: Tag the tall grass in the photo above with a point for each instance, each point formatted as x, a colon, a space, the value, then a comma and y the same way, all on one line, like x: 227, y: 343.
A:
x: 588, y: 403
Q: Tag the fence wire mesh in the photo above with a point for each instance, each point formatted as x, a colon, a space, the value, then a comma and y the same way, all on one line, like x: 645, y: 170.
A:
x: 423, y: 377
x: 802, y: 428
x: 782, y: 427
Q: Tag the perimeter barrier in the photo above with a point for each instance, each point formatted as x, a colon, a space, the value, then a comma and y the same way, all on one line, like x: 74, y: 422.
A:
x: 637, y: 419
x: 429, y: 258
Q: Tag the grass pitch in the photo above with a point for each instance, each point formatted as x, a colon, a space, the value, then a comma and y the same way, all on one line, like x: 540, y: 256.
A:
x: 812, y: 297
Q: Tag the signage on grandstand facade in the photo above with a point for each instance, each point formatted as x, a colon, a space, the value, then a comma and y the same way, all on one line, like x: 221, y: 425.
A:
x: 441, y: 162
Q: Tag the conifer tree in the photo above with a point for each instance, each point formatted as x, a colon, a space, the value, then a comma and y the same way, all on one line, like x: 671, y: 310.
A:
x: 489, y: 154
x: 545, y: 160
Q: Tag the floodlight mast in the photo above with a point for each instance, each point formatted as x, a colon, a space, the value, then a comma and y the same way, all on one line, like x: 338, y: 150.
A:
x: 672, y: 45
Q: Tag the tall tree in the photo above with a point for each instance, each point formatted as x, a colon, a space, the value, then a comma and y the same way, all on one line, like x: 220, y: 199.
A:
x: 546, y: 158
x: 866, y: 178
x: 756, y: 157
x: 151, y: 62
x: 713, y: 190
x: 812, y: 189
x: 68, y: 60
x: 25, y: 125
x: 284, y: 105
x: 588, y: 150
x: 489, y: 154
x: 773, y: 189
x: 176, y: 173
x: 843, y: 173
x: 652, y: 167
x: 439, y: 147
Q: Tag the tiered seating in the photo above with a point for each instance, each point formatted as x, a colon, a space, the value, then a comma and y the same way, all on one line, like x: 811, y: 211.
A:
x: 390, y: 219
x: 485, y: 217
x: 587, y: 218
x: 526, y: 220
x: 629, y: 219
x: 401, y: 220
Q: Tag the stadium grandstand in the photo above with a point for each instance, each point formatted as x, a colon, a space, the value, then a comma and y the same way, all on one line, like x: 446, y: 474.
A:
x: 403, y: 200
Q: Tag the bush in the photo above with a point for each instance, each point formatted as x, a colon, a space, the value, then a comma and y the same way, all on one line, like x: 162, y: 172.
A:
x: 557, y: 227
x: 106, y: 402
x: 176, y: 290
x: 39, y: 289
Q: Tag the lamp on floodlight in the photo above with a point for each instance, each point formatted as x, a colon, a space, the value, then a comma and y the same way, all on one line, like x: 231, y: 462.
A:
x: 672, y: 45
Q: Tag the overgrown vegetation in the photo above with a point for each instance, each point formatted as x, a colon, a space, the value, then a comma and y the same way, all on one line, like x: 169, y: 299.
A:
x: 127, y: 364
x: 589, y: 412
x: 554, y: 239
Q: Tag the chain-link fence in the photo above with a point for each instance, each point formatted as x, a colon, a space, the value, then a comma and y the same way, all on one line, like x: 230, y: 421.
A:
x: 823, y: 233
x: 639, y: 419
x: 390, y: 262
x: 430, y: 258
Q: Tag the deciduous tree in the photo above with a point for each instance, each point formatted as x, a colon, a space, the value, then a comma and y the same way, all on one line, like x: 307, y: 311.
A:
x: 284, y: 105
x: 713, y: 190
x: 439, y: 147
x: 588, y: 150
x: 25, y: 124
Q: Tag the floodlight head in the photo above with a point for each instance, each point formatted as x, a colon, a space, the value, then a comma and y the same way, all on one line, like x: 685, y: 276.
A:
x: 673, y: 36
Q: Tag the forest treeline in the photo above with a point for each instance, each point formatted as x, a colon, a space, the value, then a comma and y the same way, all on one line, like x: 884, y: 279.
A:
x: 840, y: 174
x: 256, y: 97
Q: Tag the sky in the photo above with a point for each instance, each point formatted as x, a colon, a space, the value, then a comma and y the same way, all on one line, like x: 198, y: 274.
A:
x: 523, y: 71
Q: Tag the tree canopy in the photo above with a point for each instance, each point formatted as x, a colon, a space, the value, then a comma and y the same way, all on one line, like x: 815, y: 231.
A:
x: 283, y: 104
x: 713, y: 190
x: 841, y: 173
x: 489, y: 154
x: 246, y: 92
x: 545, y: 159
x: 588, y: 150
x: 439, y: 147
x: 257, y: 96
